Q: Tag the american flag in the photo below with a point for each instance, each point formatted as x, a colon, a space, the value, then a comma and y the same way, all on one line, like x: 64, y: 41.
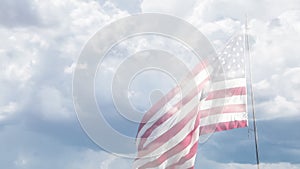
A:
x: 212, y: 98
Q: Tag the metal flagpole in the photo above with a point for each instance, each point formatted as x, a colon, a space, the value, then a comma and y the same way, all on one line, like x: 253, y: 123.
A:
x: 252, y: 94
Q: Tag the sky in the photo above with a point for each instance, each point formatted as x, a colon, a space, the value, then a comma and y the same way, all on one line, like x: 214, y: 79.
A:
x: 41, y: 41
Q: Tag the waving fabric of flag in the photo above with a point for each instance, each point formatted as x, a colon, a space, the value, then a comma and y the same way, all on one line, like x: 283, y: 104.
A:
x: 212, y: 98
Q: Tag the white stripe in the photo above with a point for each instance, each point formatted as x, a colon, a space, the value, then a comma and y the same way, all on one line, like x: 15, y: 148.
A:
x: 202, y: 75
x: 188, y: 164
x: 208, y: 104
x: 177, y: 138
x: 169, y: 123
x: 173, y: 159
x: 173, y: 120
x: 220, y: 118
x: 187, y: 89
x: 228, y: 84
x: 186, y: 150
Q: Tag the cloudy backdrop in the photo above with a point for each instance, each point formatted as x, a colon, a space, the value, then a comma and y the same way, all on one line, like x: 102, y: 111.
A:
x: 42, y: 39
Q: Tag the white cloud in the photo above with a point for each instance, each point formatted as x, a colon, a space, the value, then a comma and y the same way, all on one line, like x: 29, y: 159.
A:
x: 275, y: 45
x: 52, y: 104
x: 106, y: 163
x: 15, y: 13
x: 171, y: 7
x: 275, y: 65
x: 91, y: 159
x: 37, y: 60
x: 7, y: 110
x: 212, y: 10
x: 70, y: 69
x: 278, y: 107
x: 38, y: 56
x: 208, y: 15
x: 210, y: 164
x: 279, y: 95
x: 274, y: 36
x: 263, y: 165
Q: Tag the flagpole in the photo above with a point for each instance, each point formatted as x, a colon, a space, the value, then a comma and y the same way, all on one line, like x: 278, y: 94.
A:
x: 252, y: 93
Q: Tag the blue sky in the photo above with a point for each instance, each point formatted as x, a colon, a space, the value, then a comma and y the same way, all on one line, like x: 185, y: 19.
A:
x: 41, y: 42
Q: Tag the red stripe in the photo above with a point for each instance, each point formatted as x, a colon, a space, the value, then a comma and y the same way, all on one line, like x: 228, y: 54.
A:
x: 176, y: 149
x: 187, y: 157
x: 222, y: 126
x: 171, y: 112
x: 186, y: 139
x: 236, y: 108
x: 158, y: 105
x: 227, y: 93
x: 167, y: 135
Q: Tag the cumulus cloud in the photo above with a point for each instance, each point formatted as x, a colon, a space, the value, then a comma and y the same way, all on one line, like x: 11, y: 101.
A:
x: 91, y: 159
x: 275, y: 45
x: 18, y: 13
x: 209, y: 164
x: 37, y: 61
x: 30, y: 149
x: 176, y: 8
x: 7, y: 110
x: 275, y: 68
x: 274, y: 35
x: 212, y: 10
x: 42, y: 40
